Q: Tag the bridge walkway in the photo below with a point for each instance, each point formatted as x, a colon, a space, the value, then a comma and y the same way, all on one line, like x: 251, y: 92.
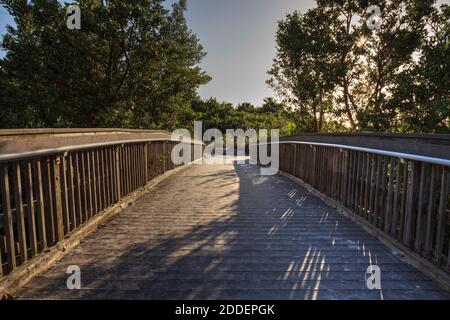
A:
x: 225, y: 232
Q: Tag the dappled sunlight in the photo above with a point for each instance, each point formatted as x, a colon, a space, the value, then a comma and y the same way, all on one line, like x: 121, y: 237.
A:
x: 231, y: 239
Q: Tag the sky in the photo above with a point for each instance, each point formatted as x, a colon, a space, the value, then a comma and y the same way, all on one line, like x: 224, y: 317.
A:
x: 239, y: 38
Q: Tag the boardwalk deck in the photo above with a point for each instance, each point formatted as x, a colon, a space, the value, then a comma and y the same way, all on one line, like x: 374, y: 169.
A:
x: 224, y: 232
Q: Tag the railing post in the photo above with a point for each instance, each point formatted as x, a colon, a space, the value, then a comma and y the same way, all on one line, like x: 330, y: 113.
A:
x: 442, y: 213
x: 146, y: 146
x: 294, y: 171
x: 118, y: 173
x: 407, y: 233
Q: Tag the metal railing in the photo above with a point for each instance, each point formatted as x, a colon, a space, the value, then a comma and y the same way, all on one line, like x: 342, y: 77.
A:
x: 404, y: 195
x: 47, y: 194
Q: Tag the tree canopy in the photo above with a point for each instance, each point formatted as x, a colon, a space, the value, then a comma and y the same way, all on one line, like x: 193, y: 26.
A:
x: 135, y: 64
x: 331, y: 66
x: 132, y: 64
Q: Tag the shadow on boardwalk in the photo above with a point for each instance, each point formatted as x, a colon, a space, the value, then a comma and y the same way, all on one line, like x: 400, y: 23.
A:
x: 225, y: 232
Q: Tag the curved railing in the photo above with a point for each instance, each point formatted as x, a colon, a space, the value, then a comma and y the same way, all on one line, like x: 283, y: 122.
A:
x: 404, y: 195
x: 47, y: 194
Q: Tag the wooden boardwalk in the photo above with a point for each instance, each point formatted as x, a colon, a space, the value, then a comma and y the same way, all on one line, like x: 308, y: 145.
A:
x: 225, y: 232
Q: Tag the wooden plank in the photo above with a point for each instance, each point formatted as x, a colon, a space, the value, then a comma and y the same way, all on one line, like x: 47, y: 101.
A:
x: 373, y: 177
x: 390, y: 196
x: 358, y: 183
x: 59, y: 224
x: 146, y: 162
x: 79, y: 205
x: 363, y: 184
x: 95, y: 205
x: 108, y: 177
x: 112, y: 179
x: 100, y: 202
x: 420, y: 209
x: 380, y: 196
x: 442, y: 217
x: 31, y: 219
x: 397, y: 190
x: 350, y: 177
x: 49, y: 204
x: 407, y: 233
x: 90, y: 205
x: 430, y: 211
x: 42, y: 234
x: 20, y: 214
x: 72, y: 192
x: 403, y: 201
x: 118, y: 175
x: 84, y: 187
x: 7, y: 218
x: 368, y: 186
x: 65, y: 194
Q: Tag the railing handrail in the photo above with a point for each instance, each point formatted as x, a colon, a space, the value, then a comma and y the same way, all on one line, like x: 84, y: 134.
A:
x: 59, y: 131
x: 401, y: 155
x: 61, y: 150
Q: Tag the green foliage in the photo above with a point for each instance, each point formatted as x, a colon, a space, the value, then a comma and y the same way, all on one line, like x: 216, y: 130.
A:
x: 135, y: 64
x: 132, y: 64
x: 332, y: 68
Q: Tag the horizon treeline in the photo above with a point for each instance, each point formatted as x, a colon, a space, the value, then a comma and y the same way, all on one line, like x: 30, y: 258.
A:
x: 135, y: 64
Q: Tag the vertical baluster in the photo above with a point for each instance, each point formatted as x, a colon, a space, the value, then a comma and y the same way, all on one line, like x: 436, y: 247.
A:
x: 388, y: 220
x: 72, y: 191
x: 94, y: 189
x: 106, y: 177
x: 146, y: 161
x: 383, y: 178
x: 420, y: 208
x: 49, y: 205
x: 395, y: 215
x: 368, y: 185
x: 98, y: 175
x: 403, y: 201
x: 31, y: 220
x: 430, y: 211
x: 442, y: 217
x: 58, y: 207
x: 20, y: 214
x: 8, y: 218
x: 409, y: 216
x: 40, y: 206
x: 78, y: 202
x: 64, y: 174
x: 89, y: 189
x: 118, y: 175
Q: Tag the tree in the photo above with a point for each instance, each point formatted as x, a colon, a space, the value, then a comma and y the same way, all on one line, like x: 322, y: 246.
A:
x: 303, y: 70
x: 423, y: 93
x: 331, y: 65
x: 132, y: 64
